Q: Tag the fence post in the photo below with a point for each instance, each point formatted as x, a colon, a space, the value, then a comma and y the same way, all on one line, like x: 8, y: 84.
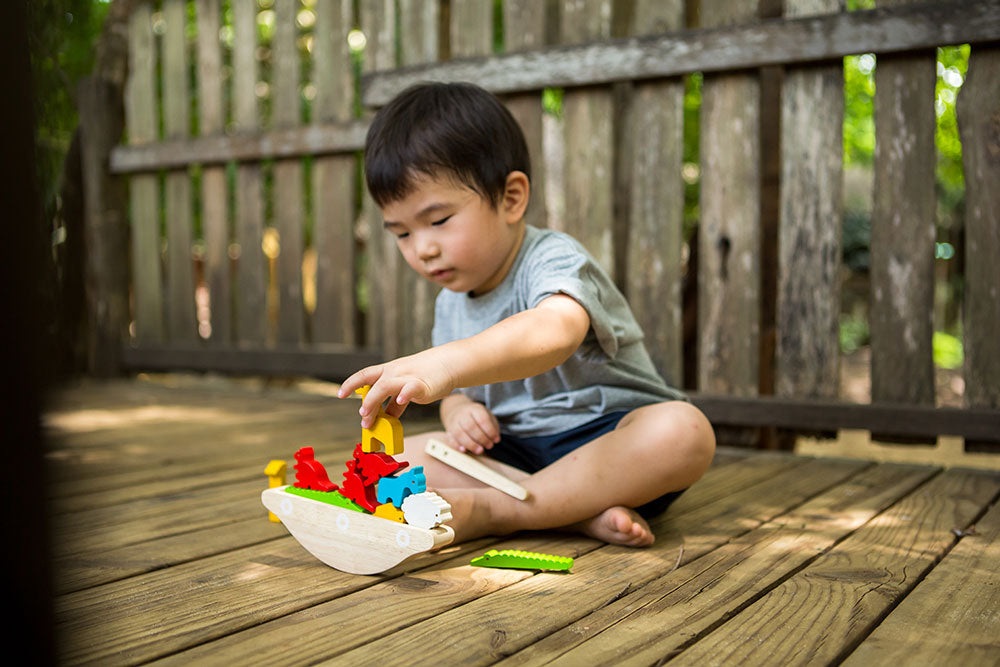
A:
x: 652, y: 157
x: 903, y: 229
x: 102, y: 119
x: 979, y: 124
x: 812, y: 118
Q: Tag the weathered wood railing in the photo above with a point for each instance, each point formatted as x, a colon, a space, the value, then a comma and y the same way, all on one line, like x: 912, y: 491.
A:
x: 621, y: 65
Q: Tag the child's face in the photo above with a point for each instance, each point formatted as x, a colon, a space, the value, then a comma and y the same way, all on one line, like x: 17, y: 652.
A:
x: 452, y: 236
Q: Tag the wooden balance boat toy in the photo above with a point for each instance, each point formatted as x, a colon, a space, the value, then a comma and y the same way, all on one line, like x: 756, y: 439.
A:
x: 356, y: 529
x: 348, y: 540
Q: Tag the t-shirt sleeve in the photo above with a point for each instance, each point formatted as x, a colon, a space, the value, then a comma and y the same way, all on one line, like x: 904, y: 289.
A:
x: 557, y: 267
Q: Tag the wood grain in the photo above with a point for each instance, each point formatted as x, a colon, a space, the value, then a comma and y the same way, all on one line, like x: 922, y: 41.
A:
x: 525, y: 27
x: 959, y: 599
x: 979, y: 126
x: 140, y: 122
x: 822, y: 612
x: 251, y: 269
x: 505, y: 622
x: 656, y: 620
x: 808, y: 319
x: 903, y: 230
x: 732, y: 48
x: 334, y: 182
x: 654, y: 146
x: 729, y: 229
x: 214, y: 191
x: 181, y: 323
x: 588, y: 117
x: 288, y: 191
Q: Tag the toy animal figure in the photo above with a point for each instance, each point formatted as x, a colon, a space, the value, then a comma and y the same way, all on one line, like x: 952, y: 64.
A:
x: 395, y: 489
x: 310, y: 473
x: 373, y: 466
x: 426, y: 510
x: 355, y: 489
x: 386, y: 429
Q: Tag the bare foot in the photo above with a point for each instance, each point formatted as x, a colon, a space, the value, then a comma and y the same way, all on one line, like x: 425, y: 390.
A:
x: 618, y: 525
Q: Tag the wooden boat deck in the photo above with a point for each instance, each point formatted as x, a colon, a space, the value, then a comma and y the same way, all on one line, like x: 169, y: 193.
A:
x: 164, y: 554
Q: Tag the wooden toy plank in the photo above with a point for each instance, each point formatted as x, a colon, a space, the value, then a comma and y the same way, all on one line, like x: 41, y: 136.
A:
x: 660, y: 617
x: 960, y: 599
x: 473, y: 468
x: 805, y: 619
x: 510, y: 619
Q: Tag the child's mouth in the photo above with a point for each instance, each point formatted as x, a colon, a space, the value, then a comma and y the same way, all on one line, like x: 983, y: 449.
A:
x: 442, y: 274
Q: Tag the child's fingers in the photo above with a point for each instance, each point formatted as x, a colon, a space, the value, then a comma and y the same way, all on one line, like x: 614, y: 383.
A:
x: 477, y: 432
x: 359, y: 379
x: 488, y: 425
x: 464, y: 442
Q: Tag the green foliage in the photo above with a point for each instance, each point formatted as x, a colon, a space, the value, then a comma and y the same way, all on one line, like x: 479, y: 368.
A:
x: 952, y: 66
x: 61, y: 37
x: 552, y: 101
x: 948, y: 351
x: 854, y: 333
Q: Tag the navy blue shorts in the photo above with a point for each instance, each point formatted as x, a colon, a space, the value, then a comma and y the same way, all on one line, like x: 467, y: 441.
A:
x: 533, y: 454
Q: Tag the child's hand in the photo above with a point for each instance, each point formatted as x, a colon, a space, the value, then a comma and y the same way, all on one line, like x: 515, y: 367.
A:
x: 421, y: 378
x: 471, y: 427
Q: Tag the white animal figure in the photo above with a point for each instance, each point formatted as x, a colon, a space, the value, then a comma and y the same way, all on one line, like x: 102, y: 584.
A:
x: 426, y: 510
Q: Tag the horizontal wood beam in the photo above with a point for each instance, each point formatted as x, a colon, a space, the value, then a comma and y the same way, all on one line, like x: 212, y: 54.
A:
x: 776, y: 42
x: 329, y: 362
x: 884, y: 419
x: 325, y: 139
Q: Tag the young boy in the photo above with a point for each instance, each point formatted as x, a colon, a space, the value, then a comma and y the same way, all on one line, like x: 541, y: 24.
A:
x: 537, y: 359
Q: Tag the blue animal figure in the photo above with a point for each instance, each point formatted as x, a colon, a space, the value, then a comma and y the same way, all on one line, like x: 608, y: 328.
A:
x: 395, y: 489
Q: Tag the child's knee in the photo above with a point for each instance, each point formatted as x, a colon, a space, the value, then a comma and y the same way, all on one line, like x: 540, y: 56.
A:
x: 679, y: 430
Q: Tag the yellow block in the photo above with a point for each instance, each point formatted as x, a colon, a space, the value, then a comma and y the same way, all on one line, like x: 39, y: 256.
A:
x: 391, y: 512
x: 275, y: 472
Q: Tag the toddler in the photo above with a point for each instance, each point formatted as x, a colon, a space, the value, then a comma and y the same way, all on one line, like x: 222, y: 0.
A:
x: 537, y: 359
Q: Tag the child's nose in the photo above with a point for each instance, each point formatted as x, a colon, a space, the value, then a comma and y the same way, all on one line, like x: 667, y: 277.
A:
x: 428, y: 250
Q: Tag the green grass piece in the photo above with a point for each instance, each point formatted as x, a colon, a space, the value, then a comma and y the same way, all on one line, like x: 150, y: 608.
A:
x: 524, y: 560
x: 328, y: 497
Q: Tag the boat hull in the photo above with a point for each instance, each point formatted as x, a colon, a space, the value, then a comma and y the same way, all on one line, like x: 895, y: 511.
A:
x: 350, y: 541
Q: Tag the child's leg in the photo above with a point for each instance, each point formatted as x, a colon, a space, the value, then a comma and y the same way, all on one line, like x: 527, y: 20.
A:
x: 654, y: 450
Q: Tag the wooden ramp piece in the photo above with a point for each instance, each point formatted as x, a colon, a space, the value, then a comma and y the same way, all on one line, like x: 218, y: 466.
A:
x: 352, y: 542
x: 473, y: 468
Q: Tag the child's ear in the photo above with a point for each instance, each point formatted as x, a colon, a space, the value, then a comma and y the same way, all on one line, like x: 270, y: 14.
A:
x: 515, y: 196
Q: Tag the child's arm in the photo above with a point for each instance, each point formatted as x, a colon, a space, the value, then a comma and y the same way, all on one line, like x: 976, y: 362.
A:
x: 523, y: 345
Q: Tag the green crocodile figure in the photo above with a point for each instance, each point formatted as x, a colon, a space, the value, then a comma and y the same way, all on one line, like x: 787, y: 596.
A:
x: 523, y: 560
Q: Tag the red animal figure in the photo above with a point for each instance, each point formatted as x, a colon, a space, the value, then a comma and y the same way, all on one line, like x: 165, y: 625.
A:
x: 373, y: 466
x: 310, y: 473
x: 355, y: 488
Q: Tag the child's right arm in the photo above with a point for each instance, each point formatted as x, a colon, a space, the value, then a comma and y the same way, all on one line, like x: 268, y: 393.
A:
x: 470, y: 425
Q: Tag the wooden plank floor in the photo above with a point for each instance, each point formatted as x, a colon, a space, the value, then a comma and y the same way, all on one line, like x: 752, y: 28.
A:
x: 164, y: 555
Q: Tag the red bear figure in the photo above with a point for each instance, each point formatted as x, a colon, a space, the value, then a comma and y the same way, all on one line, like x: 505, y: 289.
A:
x: 310, y: 473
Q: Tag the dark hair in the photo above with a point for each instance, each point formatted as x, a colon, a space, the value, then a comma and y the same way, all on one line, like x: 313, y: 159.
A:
x: 453, y: 130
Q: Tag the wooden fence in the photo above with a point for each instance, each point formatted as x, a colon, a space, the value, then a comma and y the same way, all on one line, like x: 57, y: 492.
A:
x: 275, y: 193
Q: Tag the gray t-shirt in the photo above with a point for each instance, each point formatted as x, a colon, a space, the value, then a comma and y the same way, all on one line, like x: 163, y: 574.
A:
x: 610, y: 371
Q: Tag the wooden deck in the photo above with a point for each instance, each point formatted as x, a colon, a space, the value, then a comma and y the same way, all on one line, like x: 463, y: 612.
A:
x: 165, y: 554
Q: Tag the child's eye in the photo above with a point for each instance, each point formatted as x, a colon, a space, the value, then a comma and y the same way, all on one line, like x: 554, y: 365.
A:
x: 441, y: 221
x: 402, y: 235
